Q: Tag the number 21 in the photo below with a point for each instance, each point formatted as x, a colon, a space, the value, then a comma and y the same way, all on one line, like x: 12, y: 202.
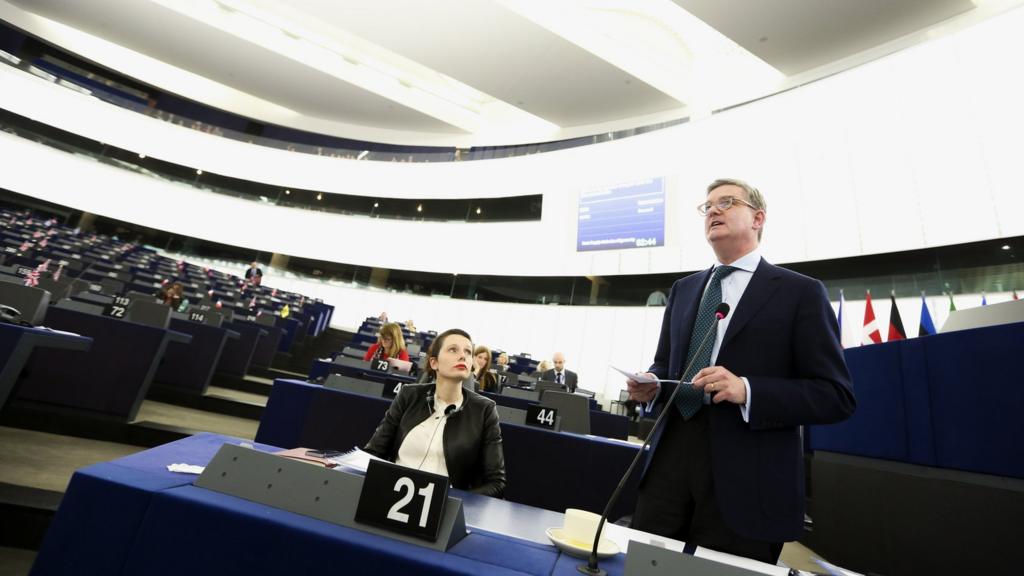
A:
x: 427, y: 492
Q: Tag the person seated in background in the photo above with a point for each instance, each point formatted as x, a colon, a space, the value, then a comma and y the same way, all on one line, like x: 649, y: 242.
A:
x: 442, y: 427
x: 173, y: 294
x: 383, y: 317
x: 543, y: 367
x: 485, y: 380
x: 410, y: 326
x: 559, y: 375
x: 253, y: 274
x: 502, y: 364
x: 390, y: 344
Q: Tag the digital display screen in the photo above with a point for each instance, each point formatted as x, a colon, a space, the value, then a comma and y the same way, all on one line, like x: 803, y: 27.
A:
x: 623, y: 216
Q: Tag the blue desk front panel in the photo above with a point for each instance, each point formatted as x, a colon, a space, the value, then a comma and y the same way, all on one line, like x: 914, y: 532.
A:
x: 950, y: 400
x: 131, y: 516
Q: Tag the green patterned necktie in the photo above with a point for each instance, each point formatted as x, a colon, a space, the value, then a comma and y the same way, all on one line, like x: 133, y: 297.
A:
x: 689, y: 399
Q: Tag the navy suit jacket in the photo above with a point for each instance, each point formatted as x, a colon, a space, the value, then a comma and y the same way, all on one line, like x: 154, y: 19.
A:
x: 784, y: 338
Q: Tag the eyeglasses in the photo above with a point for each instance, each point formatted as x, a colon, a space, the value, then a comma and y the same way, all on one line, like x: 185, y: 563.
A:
x: 723, y: 204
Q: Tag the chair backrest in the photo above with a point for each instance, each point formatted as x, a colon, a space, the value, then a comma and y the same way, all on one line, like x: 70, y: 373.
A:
x: 350, y: 384
x: 352, y: 362
x: 30, y: 301
x: 573, y: 409
x: 149, y: 313
x: 545, y: 385
x: 531, y: 395
x: 266, y: 320
x: 352, y: 352
x: 111, y: 286
x: 68, y: 304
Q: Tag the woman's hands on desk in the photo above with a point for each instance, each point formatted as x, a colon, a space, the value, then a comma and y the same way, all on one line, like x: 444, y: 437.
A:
x: 643, y: 391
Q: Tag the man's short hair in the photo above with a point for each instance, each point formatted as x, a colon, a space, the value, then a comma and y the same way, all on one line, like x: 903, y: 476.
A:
x: 754, y: 196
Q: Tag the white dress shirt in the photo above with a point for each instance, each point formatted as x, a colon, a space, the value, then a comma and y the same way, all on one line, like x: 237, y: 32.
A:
x: 733, y: 287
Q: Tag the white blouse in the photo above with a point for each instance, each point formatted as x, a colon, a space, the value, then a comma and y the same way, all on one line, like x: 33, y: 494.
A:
x: 423, y: 446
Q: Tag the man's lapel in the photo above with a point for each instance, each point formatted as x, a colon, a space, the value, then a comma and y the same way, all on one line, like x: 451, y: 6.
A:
x: 763, y: 284
x: 690, y: 298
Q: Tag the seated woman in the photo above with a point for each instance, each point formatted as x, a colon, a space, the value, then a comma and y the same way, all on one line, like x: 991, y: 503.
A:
x: 442, y: 427
x: 390, y: 344
x: 482, y: 370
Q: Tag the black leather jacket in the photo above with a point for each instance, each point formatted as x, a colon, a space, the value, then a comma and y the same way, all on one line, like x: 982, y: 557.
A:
x: 472, y: 437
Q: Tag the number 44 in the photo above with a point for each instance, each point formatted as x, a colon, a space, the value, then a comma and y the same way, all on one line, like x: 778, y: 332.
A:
x: 546, y: 417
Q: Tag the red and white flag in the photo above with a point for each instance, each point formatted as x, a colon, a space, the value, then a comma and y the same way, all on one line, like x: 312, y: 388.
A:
x: 24, y: 247
x: 252, y: 303
x: 871, y: 334
x: 45, y: 266
x: 58, y: 272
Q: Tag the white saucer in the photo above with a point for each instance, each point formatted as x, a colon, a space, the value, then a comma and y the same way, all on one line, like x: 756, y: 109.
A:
x: 605, y: 548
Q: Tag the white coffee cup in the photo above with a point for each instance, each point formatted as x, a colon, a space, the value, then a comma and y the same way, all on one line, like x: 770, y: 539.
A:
x: 580, y: 526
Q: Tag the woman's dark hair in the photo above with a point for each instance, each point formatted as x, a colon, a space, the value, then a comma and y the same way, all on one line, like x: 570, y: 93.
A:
x: 435, y: 350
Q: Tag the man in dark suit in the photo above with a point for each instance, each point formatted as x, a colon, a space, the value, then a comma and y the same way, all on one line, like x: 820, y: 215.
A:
x: 559, y: 375
x: 726, y: 468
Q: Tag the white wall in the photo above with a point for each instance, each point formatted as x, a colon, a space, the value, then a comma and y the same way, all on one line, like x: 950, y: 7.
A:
x: 917, y: 149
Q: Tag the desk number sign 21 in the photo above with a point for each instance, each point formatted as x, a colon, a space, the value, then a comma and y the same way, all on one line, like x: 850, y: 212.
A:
x: 403, y: 500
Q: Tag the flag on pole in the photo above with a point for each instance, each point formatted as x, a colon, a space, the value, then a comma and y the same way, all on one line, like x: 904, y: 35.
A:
x: 285, y: 311
x: 57, y: 272
x: 896, y: 331
x: 1015, y: 297
x: 870, y: 335
x: 952, y: 306
x: 983, y: 301
x: 926, y: 327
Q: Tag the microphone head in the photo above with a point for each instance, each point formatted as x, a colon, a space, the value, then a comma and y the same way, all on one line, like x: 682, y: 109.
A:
x: 449, y: 409
x: 722, y: 311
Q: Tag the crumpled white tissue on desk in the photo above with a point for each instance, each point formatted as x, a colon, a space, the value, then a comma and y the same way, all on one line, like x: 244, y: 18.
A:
x: 186, y: 468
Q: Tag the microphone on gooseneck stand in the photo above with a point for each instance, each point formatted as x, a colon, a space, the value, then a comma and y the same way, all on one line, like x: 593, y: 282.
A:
x: 591, y: 566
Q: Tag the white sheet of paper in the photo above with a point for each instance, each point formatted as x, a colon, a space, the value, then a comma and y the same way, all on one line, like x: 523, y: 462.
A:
x: 185, y: 468
x: 355, y: 459
x: 640, y: 377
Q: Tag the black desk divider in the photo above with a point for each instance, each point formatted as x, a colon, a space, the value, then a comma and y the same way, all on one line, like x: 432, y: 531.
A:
x: 511, y: 415
x: 646, y: 560
x: 350, y: 384
x: 302, y: 488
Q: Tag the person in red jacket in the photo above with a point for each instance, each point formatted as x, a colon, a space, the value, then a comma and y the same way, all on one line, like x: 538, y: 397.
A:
x: 390, y: 344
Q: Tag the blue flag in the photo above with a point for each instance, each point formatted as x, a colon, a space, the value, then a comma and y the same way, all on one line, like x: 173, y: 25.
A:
x: 926, y: 327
